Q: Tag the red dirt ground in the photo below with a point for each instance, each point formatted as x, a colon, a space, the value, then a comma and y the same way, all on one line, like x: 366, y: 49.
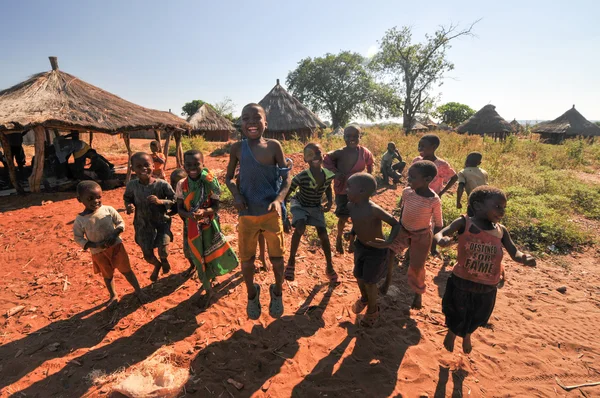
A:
x: 315, y: 349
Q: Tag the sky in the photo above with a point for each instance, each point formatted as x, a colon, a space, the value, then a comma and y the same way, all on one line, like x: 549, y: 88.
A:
x: 532, y: 59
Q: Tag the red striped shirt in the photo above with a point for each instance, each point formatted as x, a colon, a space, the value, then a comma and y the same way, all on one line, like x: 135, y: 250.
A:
x: 418, y: 212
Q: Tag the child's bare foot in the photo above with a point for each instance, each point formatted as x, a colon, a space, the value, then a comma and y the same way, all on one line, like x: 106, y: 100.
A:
x: 449, y: 341
x: 290, y: 271
x: 112, y: 302
x: 339, y: 245
x: 166, y: 267
x: 467, y: 346
x: 142, y: 297
x: 154, y: 274
x: 383, y: 289
x: 332, y: 275
x: 205, y: 300
x: 417, y: 303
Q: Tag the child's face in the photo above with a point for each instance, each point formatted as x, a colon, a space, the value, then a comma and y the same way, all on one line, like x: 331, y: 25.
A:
x: 426, y: 149
x: 351, y: 137
x: 416, y: 180
x: 391, y: 148
x: 91, y: 199
x: 175, y: 179
x: 193, y: 166
x: 313, y: 156
x: 154, y: 147
x: 142, y: 167
x: 254, y: 122
x: 491, y: 209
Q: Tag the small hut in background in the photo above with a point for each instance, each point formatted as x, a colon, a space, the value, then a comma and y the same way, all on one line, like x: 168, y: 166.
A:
x: 287, y: 117
x: 338, y: 132
x: 212, y: 126
x: 418, y: 128
x: 429, y: 123
x: 486, y: 122
x: 516, y: 126
x: 54, y: 101
x: 569, y: 125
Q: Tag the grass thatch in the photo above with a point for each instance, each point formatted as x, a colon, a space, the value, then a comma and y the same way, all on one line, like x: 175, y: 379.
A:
x: 59, y: 100
x: 427, y: 121
x: 485, y: 121
x: 516, y: 126
x: 418, y: 127
x: 207, y: 119
x: 570, y: 123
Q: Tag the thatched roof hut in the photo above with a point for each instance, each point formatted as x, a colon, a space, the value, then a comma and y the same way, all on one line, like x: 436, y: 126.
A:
x: 429, y: 123
x: 418, y: 127
x: 287, y: 116
x: 516, y: 126
x: 60, y: 101
x: 207, y: 122
x: 569, y: 124
x: 486, y: 122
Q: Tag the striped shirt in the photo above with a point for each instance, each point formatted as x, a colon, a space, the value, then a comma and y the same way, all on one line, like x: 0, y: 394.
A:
x: 310, y: 195
x: 418, y: 212
x: 444, y: 173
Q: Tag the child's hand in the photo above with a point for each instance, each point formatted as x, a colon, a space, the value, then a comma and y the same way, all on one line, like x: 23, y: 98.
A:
x: 130, y: 208
x: 445, y: 241
x: 327, y: 207
x: 528, y: 259
x: 199, y: 214
x: 458, y: 205
x: 153, y: 199
x: 275, y: 205
x: 239, y: 203
x: 379, y: 243
x: 348, y: 236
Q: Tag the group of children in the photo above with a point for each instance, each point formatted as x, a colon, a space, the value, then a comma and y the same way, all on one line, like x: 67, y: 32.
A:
x: 259, y: 179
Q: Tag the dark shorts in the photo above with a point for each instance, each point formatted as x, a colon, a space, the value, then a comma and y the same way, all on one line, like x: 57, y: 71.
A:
x: 150, y: 236
x: 310, y: 215
x: 370, y: 263
x: 341, y: 206
x: 467, y: 305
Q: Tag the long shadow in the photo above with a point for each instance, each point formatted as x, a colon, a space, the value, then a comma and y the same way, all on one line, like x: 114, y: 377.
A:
x: 79, y: 331
x: 458, y: 376
x: 171, y: 326
x: 442, y: 278
x: 253, y: 358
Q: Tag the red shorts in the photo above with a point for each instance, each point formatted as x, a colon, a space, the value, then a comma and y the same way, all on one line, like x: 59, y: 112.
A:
x: 115, y: 257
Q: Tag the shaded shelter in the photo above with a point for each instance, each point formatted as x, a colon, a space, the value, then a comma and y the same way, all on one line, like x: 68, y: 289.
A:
x: 57, y: 101
x: 212, y: 126
x: 486, y: 122
x: 569, y: 125
x: 287, y: 117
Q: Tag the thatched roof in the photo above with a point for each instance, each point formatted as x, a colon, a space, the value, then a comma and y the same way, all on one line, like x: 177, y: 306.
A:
x: 485, y: 121
x: 427, y: 121
x: 569, y: 123
x: 286, y: 113
x: 60, y: 100
x: 516, y: 126
x: 418, y: 127
x: 207, y: 119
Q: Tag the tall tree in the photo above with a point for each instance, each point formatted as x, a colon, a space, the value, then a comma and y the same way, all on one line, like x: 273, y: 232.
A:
x: 413, y: 69
x: 454, y: 113
x: 342, y: 86
x: 225, y: 108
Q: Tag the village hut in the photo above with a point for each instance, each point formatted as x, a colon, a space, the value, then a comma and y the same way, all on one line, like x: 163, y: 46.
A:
x: 570, y: 124
x: 57, y: 101
x: 429, y: 123
x: 486, y: 122
x: 287, y: 117
x: 212, y: 126
x: 338, y: 132
x: 418, y: 127
x: 516, y: 126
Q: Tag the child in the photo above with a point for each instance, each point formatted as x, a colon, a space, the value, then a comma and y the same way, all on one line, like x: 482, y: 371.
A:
x: 98, y: 228
x: 345, y: 162
x: 306, y: 207
x: 470, y: 293
x: 176, y: 176
x: 419, y: 205
x: 369, y: 261
x: 159, y: 161
x: 259, y: 199
x: 150, y: 198
x: 470, y: 178
x: 428, y: 144
x: 198, y: 203
x: 388, y: 169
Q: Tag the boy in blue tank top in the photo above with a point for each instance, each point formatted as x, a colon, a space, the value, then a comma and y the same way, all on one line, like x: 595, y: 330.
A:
x: 258, y: 200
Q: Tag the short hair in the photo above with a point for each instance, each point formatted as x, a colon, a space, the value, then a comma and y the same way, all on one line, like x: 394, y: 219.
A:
x: 425, y: 167
x: 254, y: 105
x: 154, y: 142
x: 352, y: 127
x: 86, y: 186
x: 483, y: 193
x: 432, y: 139
x: 474, y: 157
x: 391, y: 143
x: 193, y: 152
x: 366, y: 181
x: 138, y: 155
x: 177, y: 173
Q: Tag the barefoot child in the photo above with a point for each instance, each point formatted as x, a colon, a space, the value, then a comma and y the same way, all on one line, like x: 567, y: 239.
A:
x: 198, y: 203
x: 306, y: 207
x: 150, y: 198
x: 159, y: 161
x: 345, y: 162
x: 98, y: 228
x: 388, y: 168
x: 369, y: 261
x: 470, y: 293
x: 469, y: 178
x: 259, y: 199
x: 176, y: 176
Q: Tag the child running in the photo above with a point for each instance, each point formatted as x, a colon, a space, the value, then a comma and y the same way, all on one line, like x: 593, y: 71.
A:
x: 259, y: 199
x: 159, y: 161
x: 369, y: 261
x: 346, y: 162
x: 470, y: 293
x: 98, y: 228
x: 176, y: 176
x: 198, y: 203
x: 150, y: 198
x: 389, y: 169
x: 469, y: 178
x: 306, y: 207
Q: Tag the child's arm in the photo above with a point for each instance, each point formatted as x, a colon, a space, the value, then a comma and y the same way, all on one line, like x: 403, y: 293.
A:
x: 330, y: 162
x: 119, y: 227
x: 448, y: 185
x: 285, y: 184
x: 80, y: 239
x: 129, y: 199
x: 329, y: 196
x: 293, y: 187
x: 156, y: 157
x: 182, y: 211
x: 459, y: 194
x: 238, y: 200
x: 386, y: 217
x: 444, y: 237
x: 516, y: 254
x: 369, y: 161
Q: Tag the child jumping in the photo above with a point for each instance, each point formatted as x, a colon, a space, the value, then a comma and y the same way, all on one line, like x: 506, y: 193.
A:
x: 176, y: 176
x: 470, y: 293
x: 345, y: 162
x: 306, y: 207
x: 150, y: 198
x: 259, y: 199
x: 389, y: 169
x: 98, y: 228
x: 469, y: 178
x: 159, y: 161
x: 198, y: 203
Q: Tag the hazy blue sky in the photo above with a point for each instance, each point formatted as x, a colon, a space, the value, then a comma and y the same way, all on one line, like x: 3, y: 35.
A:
x: 532, y: 59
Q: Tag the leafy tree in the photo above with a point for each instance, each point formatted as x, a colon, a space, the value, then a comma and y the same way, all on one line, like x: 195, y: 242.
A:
x: 224, y: 108
x: 454, y: 113
x: 597, y: 123
x: 413, y: 69
x: 191, y: 107
x: 342, y: 86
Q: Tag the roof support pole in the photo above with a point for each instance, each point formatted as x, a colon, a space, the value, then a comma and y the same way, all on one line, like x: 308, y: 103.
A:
x: 91, y: 138
x: 11, y: 164
x: 35, y: 179
x: 178, y: 149
x: 166, y: 147
x: 128, y: 146
x: 157, y: 136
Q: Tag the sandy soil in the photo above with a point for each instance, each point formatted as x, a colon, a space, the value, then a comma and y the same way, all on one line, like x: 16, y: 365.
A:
x: 316, y: 349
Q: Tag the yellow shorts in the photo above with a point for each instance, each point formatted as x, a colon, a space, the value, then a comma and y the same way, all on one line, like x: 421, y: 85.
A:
x: 250, y: 227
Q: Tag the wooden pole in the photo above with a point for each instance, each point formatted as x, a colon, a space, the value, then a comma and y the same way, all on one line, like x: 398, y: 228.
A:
x: 178, y: 150
x: 11, y: 164
x: 166, y: 147
x: 91, y: 138
x: 128, y: 146
x: 37, y: 171
x: 157, y: 136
